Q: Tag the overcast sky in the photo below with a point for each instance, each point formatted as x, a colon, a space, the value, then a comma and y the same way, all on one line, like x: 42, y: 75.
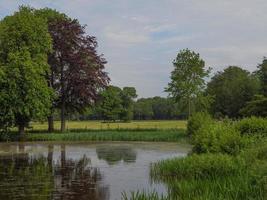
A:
x: 140, y: 38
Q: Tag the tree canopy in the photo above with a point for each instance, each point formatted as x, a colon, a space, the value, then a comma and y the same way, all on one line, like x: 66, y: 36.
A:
x: 77, y: 70
x: 231, y: 89
x: 187, y: 78
x: 25, y: 43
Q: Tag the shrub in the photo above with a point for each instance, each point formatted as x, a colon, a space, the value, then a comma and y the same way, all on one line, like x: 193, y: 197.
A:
x: 196, y: 121
x: 252, y: 126
x: 217, y: 138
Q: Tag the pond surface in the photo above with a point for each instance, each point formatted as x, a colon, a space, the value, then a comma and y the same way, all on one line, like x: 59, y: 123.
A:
x: 80, y: 171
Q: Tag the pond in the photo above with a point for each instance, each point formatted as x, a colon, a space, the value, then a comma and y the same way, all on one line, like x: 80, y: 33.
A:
x: 80, y: 171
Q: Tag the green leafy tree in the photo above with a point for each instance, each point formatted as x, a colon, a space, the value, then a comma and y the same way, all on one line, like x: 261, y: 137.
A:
x: 256, y: 107
x: 25, y: 43
x: 128, y: 94
x: 262, y: 72
x: 231, y: 89
x: 110, y: 105
x: 187, y: 78
x: 143, y: 109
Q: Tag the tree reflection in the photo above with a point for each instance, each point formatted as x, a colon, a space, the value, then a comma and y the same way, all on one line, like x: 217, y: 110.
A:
x: 22, y: 177
x: 38, y: 178
x: 115, y: 154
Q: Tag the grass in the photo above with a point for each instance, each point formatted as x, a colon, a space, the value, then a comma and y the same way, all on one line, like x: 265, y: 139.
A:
x: 211, y: 176
x: 99, y: 125
x: 220, y: 174
x: 111, y: 135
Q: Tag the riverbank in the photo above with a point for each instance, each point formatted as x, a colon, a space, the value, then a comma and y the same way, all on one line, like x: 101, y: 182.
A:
x: 152, y: 135
x: 228, y: 161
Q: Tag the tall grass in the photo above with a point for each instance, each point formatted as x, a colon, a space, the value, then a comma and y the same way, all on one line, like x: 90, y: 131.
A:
x: 112, y: 135
x: 229, y: 162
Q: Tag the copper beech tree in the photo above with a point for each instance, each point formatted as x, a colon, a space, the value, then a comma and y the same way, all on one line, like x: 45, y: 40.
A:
x: 77, y: 70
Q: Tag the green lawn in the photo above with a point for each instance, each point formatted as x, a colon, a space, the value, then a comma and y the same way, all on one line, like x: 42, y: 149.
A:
x: 99, y: 125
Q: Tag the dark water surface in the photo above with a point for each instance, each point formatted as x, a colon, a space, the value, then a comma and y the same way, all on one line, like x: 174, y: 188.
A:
x: 80, y: 171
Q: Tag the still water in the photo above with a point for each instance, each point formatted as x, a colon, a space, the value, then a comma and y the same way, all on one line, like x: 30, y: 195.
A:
x: 80, y: 171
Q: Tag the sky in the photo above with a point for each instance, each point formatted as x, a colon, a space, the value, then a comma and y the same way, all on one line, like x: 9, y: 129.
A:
x: 140, y: 38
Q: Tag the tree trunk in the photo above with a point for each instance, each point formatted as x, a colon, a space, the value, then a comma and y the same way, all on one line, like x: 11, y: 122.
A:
x: 63, y: 120
x: 21, y: 130
x: 50, y: 123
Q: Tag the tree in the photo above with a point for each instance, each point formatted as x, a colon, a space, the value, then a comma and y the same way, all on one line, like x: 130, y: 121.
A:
x: 256, y: 107
x: 187, y: 78
x: 128, y: 94
x: 77, y: 70
x: 110, y: 105
x: 143, y: 109
x: 25, y: 43
x: 262, y: 72
x: 231, y: 89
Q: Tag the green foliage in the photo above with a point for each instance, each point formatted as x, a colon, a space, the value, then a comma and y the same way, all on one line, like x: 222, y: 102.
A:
x: 197, y: 167
x: 262, y: 72
x: 24, y: 45
x: 212, y: 176
x: 252, y: 126
x: 187, y: 78
x: 128, y: 94
x: 231, y: 89
x: 217, y: 138
x: 256, y: 107
x: 196, y: 121
x: 112, y: 135
x: 110, y: 105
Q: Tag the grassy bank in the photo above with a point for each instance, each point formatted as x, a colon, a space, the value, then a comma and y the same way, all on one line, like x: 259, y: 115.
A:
x: 99, y: 125
x: 111, y: 135
x: 228, y: 161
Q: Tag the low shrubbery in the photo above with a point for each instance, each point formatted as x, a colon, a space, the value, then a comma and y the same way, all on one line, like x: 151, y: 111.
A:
x: 232, y: 164
x: 252, y: 126
x: 196, y: 121
x: 217, y: 138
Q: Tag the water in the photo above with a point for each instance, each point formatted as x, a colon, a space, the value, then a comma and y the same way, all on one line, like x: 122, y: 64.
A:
x: 80, y: 171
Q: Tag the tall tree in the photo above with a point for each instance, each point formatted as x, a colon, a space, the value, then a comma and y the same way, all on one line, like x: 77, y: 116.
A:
x: 231, y: 89
x: 25, y: 43
x: 263, y: 76
x: 128, y: 94
x: 77, y: 70
x: 187, y: 78
x: 110, y: 104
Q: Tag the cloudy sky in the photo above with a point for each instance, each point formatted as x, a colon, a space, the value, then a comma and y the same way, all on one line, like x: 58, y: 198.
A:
x: 140, y: 38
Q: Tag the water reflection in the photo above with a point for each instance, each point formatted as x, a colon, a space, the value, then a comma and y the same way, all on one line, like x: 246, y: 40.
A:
x: 80, y: 171
x: 36, y: 178
x: 114, y: 154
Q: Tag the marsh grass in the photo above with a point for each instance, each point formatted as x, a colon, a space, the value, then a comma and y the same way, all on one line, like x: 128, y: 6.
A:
x: 233, y: 166
x: 111, y: 135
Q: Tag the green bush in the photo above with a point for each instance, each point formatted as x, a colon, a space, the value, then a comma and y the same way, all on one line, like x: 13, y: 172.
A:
x: 252, y: 126
x: 196, y: 121
x: 217, y: 138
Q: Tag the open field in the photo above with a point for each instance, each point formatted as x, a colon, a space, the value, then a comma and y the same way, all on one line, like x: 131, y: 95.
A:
x: 99, y: 125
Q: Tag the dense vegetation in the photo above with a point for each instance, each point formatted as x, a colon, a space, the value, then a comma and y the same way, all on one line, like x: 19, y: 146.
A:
x: 228, y: 161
